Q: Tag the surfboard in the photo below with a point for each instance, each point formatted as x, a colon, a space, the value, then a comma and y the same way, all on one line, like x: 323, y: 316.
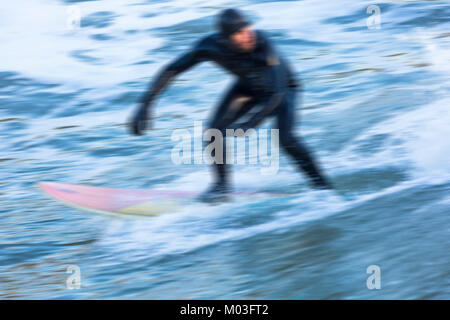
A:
x: 126, y: 202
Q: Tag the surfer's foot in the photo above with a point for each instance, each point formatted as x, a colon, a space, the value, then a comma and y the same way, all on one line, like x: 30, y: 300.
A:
x: 322, y: 184
x: 217, y: 192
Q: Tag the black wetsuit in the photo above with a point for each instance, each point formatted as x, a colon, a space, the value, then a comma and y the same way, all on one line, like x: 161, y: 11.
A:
x: 263, y: 78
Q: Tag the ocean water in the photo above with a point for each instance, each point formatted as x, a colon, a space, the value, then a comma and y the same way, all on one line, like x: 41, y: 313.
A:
x: 375, y: 112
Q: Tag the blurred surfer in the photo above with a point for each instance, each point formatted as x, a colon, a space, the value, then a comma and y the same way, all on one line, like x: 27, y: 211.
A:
x: 263, y: 78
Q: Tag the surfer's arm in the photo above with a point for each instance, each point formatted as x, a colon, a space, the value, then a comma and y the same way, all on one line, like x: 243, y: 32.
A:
x: 197, y: 54
x: 167, y: 74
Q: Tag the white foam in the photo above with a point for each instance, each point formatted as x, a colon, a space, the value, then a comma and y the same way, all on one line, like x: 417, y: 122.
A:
x: 201, y: 225
x: 418, y: 137
x: 39, y: 42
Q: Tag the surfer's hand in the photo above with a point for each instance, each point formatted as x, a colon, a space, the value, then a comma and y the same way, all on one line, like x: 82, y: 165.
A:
x: 140, y: 120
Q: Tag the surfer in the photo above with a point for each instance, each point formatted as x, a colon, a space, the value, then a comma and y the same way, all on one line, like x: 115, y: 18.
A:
x: 263, y: 78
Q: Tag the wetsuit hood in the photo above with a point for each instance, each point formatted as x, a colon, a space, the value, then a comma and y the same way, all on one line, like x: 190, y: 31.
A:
x: 230, y: 21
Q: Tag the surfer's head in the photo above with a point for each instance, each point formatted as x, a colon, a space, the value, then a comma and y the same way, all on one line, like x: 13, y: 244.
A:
x: 234, y: 26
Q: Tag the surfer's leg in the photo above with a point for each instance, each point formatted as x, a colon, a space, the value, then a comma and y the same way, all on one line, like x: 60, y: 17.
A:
x: 293, y: 144
x: 235, y: 103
